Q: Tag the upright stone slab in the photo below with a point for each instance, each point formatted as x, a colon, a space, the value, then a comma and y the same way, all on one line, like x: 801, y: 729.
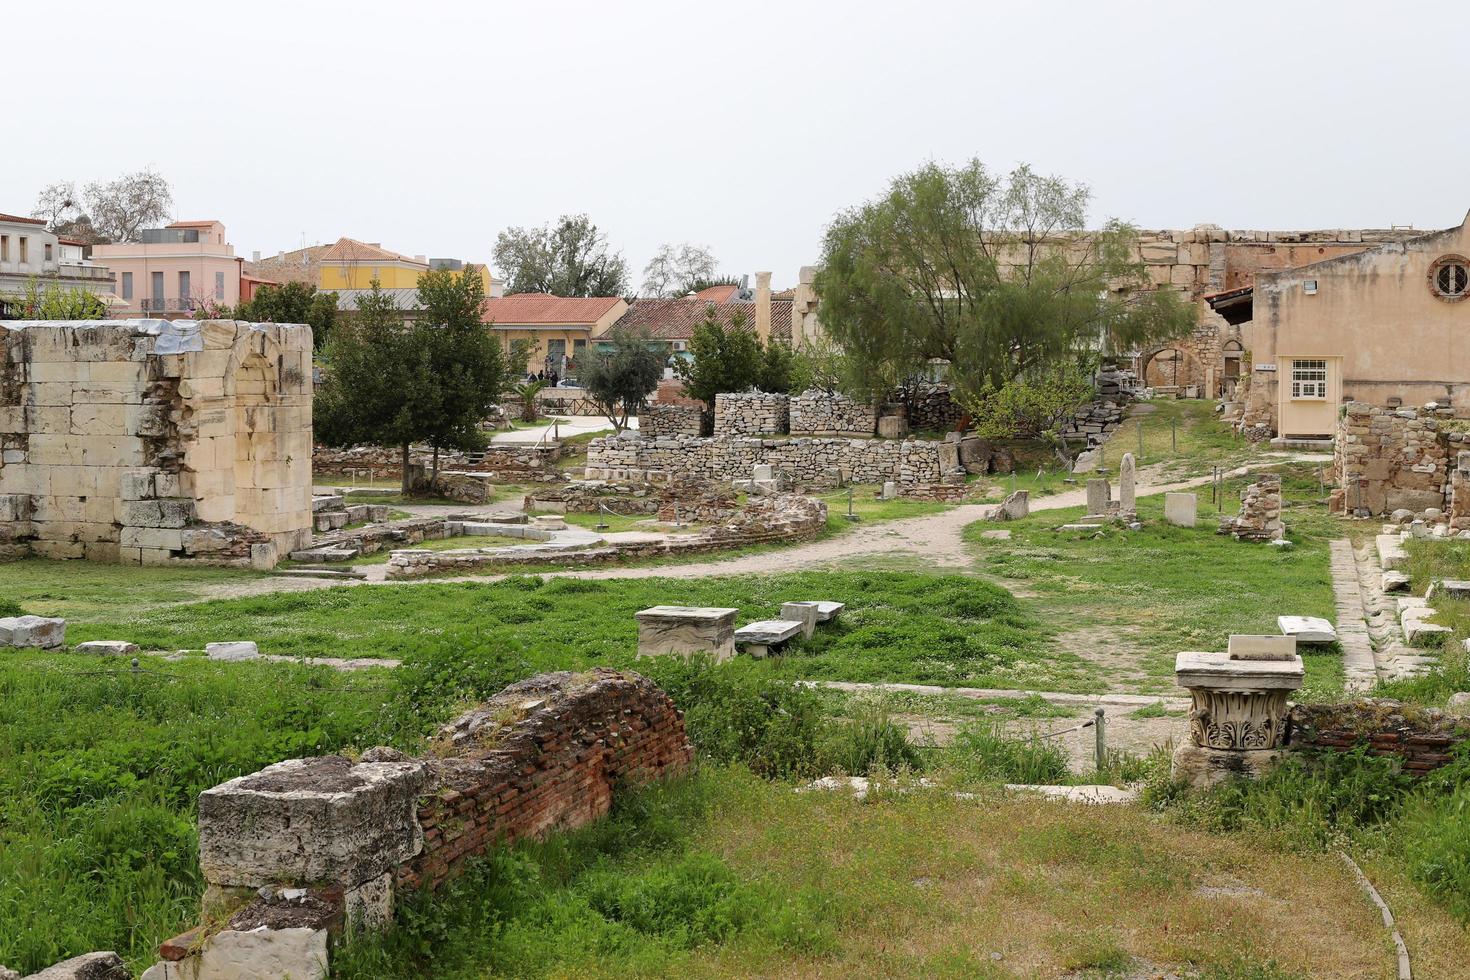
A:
x: 686, y: 630
x: 1099, y: 496
x: 890, y: 489
x: 762, y: 471
x: 1126, y: 490
x: 806, y: 613
x: 1180, y: 509
x: 1016, y: 506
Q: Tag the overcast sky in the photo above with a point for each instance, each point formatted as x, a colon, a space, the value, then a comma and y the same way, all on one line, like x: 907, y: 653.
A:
x: 430, y: 127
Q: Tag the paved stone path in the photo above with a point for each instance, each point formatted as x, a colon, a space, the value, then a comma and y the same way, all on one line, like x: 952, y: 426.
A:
x: 1358, y: 661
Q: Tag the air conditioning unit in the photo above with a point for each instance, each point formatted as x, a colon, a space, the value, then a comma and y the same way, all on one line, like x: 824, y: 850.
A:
x: 1309, y: 286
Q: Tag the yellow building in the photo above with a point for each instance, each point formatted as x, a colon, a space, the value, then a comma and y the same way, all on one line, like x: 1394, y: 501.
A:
x: 351, y: 264
x: 559, y: 328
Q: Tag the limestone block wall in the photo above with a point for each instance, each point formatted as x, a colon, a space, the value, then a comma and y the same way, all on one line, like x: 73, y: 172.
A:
x: 819, y: 413
x: 671, y: 420
x: 811, y: 462
x: 153, y: 442
x: 751, y: 413
x: 533, y: 462
x: 1394, y: 459
x: 1424, y: 738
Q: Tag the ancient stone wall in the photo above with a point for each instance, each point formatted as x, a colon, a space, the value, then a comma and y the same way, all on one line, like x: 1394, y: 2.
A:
x: 696, y: 500
x: 819, y: 413
x: 510, y: 462
x: 751, y: 413
x: 810, y: 462
x: 933, y: 408
x: 1388, y: 459
x: 155, y: 442
x: 1260, y: 512
x: 671, y: 420
x: 1423, y: 738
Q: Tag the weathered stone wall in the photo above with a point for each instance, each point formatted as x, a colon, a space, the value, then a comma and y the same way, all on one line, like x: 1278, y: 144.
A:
x: 811, y: 462
x: 1260, y: 512
x: 818, y: 413
x: 671, y: 420
x: 751, y: 413
x: 933, y: 408
x: 1393, y: 459
x: 697, y: 500
x: 153, y: 442
x: 509, y: 462
x: 1423, y: 738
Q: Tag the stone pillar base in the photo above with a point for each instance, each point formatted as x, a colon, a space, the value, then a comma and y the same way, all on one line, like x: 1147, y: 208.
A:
x: 1205, y: 768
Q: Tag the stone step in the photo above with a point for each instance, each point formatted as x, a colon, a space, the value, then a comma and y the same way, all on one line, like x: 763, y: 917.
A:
x: 331, y: 573
x: 1307, y: 629
x: 1391, y: 553
x: 325, y: 554
x: 768, y: 632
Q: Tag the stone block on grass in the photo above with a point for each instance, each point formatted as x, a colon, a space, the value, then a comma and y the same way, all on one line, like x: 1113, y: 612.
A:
x: 40, y: 632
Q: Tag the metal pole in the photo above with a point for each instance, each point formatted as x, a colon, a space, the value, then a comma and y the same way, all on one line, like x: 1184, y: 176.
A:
x: 1174, y: 434
x: 1140, y: 438
x: 849, y: 503
x: 1099, y: 723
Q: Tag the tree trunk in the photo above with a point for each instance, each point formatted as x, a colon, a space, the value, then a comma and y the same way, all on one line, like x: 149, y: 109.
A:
x: 406, y: 486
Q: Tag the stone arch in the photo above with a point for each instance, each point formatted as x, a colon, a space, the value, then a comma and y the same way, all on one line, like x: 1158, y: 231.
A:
x: 1171, y: 367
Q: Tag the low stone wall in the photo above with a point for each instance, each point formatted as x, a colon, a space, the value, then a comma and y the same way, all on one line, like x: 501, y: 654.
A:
x: 1093, y: 422
x: 751, y: 413
x: 782, y: 518
x: 801, y: 462
x: 1423, y: 738
x: 1388, y: 459
x: 934, y: 408
x: 697, y: 500
x: 943, y: 492
x: 818, y: 413
x: 508, y: 462
x: 308, y: 847
x: 671, y: 420
x: 1260, y: 512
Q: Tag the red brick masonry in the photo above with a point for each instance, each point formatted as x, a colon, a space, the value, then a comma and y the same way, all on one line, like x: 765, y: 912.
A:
x: 545, y: 754
x: 1423, y: 738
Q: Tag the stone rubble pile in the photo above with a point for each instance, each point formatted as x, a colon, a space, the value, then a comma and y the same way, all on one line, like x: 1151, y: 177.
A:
x: 1260, y: 512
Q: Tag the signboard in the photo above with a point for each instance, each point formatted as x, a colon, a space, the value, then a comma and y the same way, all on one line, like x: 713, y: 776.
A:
x: 1265, y: 367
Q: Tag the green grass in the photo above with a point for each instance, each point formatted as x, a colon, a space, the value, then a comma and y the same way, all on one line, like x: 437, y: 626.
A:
x: 870, y: 509
x: 898, y: 626
x: 1137, y: 598
x: 81, y: 590
x: 1184, y: 435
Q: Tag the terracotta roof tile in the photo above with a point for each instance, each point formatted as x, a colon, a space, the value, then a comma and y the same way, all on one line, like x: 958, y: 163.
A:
x: 717, y: 294
x: 351, y: 250
x: 540, y: 308
x: 19, y: 220
x: 675, y: 319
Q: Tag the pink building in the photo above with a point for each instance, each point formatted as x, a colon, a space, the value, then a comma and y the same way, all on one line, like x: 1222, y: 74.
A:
x: 174, y: 270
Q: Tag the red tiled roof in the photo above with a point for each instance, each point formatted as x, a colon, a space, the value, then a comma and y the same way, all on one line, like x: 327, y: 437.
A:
x: 540, y: 308
x: 351, y: 250
x: 25, y: 221
x: 717, y: 294
x: 68, y: 240
x: 675, y: 319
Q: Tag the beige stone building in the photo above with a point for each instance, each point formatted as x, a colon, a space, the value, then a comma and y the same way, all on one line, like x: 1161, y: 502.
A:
x: 1386, y: 326
x: 155, y: 442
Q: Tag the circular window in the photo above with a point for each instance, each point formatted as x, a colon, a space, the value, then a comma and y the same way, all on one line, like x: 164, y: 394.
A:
x: 1449, y: 277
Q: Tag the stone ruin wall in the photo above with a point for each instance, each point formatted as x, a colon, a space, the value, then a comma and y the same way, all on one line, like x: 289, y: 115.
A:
x: 1423, y: 738
x: 820, y: 413
x: 522, y: 462
x: 671, y: 420
x: 808, y: 462
x: 751, y: 413
x: 1391, y: 459
x: 933, y: 408
x: 695, y: 500
x: 310, y: 847
x: 155, y: 442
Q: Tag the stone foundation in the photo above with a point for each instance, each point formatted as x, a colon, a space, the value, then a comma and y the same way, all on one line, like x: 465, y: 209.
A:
x: 510, y: 463
x: 818, y: 413
x: 1387, y: 460
x: 671, y: 420
x: 751, y: 413
x: 684, y: 500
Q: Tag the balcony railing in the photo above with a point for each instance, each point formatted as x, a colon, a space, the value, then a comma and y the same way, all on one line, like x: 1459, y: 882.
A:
x: 171, y: 304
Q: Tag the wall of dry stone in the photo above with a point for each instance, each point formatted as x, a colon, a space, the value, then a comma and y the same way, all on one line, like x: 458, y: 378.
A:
x: 511, y: 463
x: 751, y: 413
x: 671, y: 420
x: 802, y: 462
x: 1423, y: 738
x: 697, y: 500
x: 820, y: 413
x: 1388, y: 459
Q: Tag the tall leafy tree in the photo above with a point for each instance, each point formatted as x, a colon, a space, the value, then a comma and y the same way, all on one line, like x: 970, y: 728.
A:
x: 723, y: 357
x: 375, y: 366
x: 621, y: 374
x: 568, y: 258
x: 293, y: 302
x: 465, y: 363
x: 992, y: 274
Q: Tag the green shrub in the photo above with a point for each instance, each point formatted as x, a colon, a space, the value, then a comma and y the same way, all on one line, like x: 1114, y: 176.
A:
x: 9, y: 607
x: 870, y: 742
x: 986, y: 753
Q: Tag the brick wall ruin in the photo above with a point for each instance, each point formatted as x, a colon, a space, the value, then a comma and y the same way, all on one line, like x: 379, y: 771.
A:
x: 155, y: 442
x: 324, y: 844
x: 751, y: 413
x: 1388, y: 459
x: 809, y: 462
x: 820, y: 413
x: 1423, y: 738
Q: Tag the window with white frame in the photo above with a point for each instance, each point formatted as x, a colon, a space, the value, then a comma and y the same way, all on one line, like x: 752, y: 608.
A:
x: 1309, y: 379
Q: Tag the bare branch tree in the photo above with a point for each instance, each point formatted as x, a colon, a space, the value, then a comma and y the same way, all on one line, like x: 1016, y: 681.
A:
x: 122, y: 208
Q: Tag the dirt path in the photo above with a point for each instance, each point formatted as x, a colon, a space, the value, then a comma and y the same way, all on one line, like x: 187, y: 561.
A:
x: 934, y: 539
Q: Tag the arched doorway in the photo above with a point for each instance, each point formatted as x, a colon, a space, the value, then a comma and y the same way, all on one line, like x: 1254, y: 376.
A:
x: 1171, y: 367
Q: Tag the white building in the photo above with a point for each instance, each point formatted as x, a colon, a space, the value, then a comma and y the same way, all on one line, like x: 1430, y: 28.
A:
x: 28, y: 251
